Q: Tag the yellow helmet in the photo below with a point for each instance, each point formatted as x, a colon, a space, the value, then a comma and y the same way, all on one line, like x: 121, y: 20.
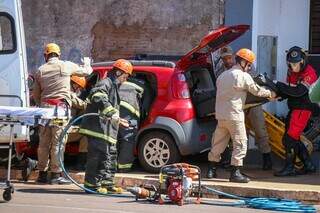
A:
x: 52, y: 48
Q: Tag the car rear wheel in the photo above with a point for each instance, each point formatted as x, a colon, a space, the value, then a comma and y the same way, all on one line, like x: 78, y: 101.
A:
x: 157, y: 149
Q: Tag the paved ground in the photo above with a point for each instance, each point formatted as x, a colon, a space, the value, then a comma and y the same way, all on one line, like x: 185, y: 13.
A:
x: 30, y: 198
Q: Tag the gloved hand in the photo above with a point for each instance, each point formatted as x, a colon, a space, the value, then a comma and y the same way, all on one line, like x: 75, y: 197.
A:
x: 86, y: 61
x: 87, y: 64
x: 264, y: 80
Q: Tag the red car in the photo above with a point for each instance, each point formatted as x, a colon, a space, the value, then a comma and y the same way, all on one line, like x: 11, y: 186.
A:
x: 178, y: 115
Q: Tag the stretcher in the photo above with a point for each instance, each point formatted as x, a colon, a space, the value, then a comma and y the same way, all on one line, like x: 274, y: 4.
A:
x: 26, y: 116
x: 276, y: 130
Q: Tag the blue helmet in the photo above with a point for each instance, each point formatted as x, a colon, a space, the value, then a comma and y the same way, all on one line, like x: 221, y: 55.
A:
x: 295, y: 54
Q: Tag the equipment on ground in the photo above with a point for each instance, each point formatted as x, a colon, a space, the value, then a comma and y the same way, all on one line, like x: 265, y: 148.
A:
x: 175, y: 184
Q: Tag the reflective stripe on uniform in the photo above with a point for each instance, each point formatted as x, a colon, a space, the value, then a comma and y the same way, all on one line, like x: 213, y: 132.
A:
x: 130, y: 108
x: 125, y: 166
x: 98, y: 135
x: 140, y: 89
x: 109, y: 109
x: 99, y: 94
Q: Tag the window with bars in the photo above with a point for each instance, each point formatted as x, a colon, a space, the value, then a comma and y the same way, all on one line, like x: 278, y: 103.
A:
x: 314, y: 27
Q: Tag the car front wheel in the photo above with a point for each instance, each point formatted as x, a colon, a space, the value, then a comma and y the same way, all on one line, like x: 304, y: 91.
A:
x: 157, y: 149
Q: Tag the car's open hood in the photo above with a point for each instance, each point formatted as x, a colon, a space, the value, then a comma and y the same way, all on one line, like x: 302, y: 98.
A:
x: 213, y: 41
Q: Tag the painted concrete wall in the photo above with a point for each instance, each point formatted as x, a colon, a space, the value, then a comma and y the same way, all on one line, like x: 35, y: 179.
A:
x: 239, y: 13
x: 280, y: 18
x: 109, y: 29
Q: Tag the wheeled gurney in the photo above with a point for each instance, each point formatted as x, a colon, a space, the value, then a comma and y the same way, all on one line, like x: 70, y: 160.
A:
x: 25, y: 116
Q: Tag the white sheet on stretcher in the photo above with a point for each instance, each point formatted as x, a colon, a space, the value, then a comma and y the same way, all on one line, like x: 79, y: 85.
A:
x: 28, y: 115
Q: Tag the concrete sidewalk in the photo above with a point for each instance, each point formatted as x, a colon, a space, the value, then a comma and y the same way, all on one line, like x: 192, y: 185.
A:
x: 305, y: 188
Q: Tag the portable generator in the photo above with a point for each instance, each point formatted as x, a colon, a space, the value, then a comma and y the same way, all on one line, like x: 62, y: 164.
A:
x: 175, y: 183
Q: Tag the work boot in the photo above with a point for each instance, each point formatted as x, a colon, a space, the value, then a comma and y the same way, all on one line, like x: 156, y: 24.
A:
x: 237, y: 177
x: 81, y: 161
x: 43, y: 177
x: 303, y: 154
x: 102, y: 190
x: 56, y: 178
x: 114, y: 190
x: 29, y: 166
x: 288, y: 169
x: 267, y: 162
x: 212, y: 170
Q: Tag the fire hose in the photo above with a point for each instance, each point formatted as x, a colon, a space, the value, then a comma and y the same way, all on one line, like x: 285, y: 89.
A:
x: 274, y: 204
x: 66, y: 173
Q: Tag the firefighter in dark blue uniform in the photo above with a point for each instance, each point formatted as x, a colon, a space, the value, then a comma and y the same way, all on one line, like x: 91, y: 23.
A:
x: 102, y: 131
x: 130, y: 95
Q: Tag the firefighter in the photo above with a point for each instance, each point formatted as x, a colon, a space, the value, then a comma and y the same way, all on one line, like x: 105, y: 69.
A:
x: 78, y: 84
x: 232, y: 88
x: 225, y: 61
x: 254, y: 115
x: 102, y: 131
x: 130, y: 95
x: 52, y: 88
x: 300, y: 77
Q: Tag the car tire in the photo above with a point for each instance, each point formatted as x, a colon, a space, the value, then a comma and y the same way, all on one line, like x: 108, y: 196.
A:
x: 157, y: 149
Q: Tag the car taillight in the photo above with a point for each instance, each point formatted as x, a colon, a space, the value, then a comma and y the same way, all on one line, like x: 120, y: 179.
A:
x: 179, y: 86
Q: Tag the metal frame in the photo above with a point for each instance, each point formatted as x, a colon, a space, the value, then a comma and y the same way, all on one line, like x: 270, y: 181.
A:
x: 5, y: 121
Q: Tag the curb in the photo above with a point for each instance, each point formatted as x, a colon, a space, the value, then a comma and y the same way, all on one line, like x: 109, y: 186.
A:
x: 125, y: 180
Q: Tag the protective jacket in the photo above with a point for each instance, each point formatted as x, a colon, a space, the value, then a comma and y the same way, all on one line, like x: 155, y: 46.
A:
x: 104, y: 99
x: 130, y: 95
x: 297, y: 88
x: 52, y: 81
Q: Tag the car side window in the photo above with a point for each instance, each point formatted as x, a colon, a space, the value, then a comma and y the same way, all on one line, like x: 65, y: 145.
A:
x: 8, y: 42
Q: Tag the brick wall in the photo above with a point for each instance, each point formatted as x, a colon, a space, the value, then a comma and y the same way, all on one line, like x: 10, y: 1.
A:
x: 109, y: 29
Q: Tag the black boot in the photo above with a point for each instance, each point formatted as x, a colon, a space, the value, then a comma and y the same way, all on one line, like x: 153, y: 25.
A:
x: 267, y: 162
x: 29, y: 166
x: 43, y: 177
x: 56, y: 178
x: 288, y: 169
x: 237, y: 177
x: 81, y: 161
x: 212, y: 170
x: 303, y: 154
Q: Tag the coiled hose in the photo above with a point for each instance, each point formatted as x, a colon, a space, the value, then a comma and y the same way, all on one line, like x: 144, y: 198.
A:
x: 257, y: 203
x: 273, y: 204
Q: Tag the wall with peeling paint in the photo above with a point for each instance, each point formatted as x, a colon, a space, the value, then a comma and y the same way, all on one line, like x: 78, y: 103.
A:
x: 109, y: 29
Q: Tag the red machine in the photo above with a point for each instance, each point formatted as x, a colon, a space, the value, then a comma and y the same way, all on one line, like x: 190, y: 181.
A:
x: 175, y: 185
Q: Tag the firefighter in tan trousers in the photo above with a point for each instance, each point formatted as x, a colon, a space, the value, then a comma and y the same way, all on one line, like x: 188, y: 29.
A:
x: 254, y: 115
x: 78, y: 84
x: 232, y: 88
x: 52, y: 88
